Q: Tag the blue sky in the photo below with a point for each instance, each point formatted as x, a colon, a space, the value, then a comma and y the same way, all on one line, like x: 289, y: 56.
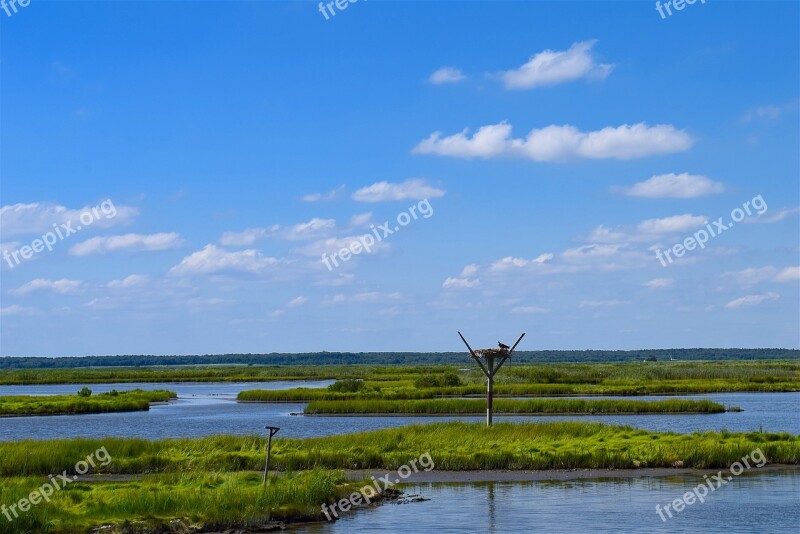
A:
x: 559, y: 146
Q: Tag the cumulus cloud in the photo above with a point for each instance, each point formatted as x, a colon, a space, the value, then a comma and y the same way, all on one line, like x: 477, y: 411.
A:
x: 528, y: 309
x: 361, y: 219
x: 313, y: 229
x: 675, y: 186
x: 333, y: 245
x: 658, y: 283
x: 602, y: 303
x: 413, y: 189
x: 127, y: 242
x: 297, y: 301
x: 589, y: 252
x: 366, y: 296
x: 668, y: 225
x: 15, y: 309
x: 769, y: 112
x: 750, y: 276
x: 446, y: 75
x: 214, y: 260
x: 510, y: 262
x: 62, y: 286
x: 752, y: 300
x: 775, y: 217
x: 559, y: 143
x: 39, y: 217
x: 134, y: 280
x: 324, y: 197
x: 552, y: 67
x: 464, y: 280
x: 247, y: 237
x: 460, y: 283
x: 789, y: 274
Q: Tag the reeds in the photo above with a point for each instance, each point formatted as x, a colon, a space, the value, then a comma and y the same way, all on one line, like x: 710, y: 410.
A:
x: 506, y: 406
x: 126, y: 401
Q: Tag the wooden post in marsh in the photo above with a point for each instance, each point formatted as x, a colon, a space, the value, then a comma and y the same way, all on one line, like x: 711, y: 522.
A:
x: 504, y: 352
x: 272, y: 431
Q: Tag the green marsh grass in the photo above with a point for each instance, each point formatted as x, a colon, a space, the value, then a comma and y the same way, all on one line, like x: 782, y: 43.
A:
x: 216, y: 500
x: 453, y: 446
x: 506, y: 406
x: 126, y: 401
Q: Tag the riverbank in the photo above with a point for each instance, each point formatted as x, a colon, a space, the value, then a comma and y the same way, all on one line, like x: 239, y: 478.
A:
x: 511, y: 407
x: 215, y: 483
x: 113, y: 401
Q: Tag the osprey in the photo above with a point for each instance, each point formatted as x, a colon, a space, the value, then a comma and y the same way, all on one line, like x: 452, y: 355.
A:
x: 503, y: 346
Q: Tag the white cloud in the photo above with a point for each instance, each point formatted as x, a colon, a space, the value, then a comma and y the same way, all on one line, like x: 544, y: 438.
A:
x: 278, y: 313
x: 658, y: 283
x: 752, y: 300
x: 510, y: 262
x: 769, y: 112
x: 552, y: 67
x: 134, y: 280
x: 39, y: 217
x: 446, y: 75
x: 762, y: 112
x: 297, y: 301
x: 668, y: 225
x: 308, y: 230
x: 335, y: 244
x: 789, y: 274
x: 775, y: 217
x: 127, y: 242
x: 63, y: 286
x: 375, y: 296
x: 361, y: 219
x: 460, y: 283
x: 313, y: 229
x: 602, y: 303
x: 750, y: 276
x: 366, y: 296
x: 213, y: 260
x: 465, y: 280
x: 602, y: 234
x: 675, y: 186
x: 589, y: 252
x: 528, y: 309
x: 324, y: 197
x: 470, y: 270
x: 413, y: 189
x: 247, y: 237
x: 17, y: 310
x: 560, y: 143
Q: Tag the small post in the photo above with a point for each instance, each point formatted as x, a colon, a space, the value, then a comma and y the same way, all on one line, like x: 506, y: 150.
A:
x: 489, y: 389
x: 272, y: 431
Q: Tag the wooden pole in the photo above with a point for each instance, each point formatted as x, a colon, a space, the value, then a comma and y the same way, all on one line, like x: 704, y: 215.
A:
x: 490, y: 370
x: 489, y: 389
x: 272, y: 431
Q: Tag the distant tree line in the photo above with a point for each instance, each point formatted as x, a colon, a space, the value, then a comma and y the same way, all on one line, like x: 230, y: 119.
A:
x: 395, y: 358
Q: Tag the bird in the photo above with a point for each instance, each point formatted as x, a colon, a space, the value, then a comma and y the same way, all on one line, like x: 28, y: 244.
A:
x: 503, y: 346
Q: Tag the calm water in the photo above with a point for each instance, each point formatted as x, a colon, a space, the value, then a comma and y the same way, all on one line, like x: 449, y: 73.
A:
x: 209, y: 408
x: 765, y: 502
